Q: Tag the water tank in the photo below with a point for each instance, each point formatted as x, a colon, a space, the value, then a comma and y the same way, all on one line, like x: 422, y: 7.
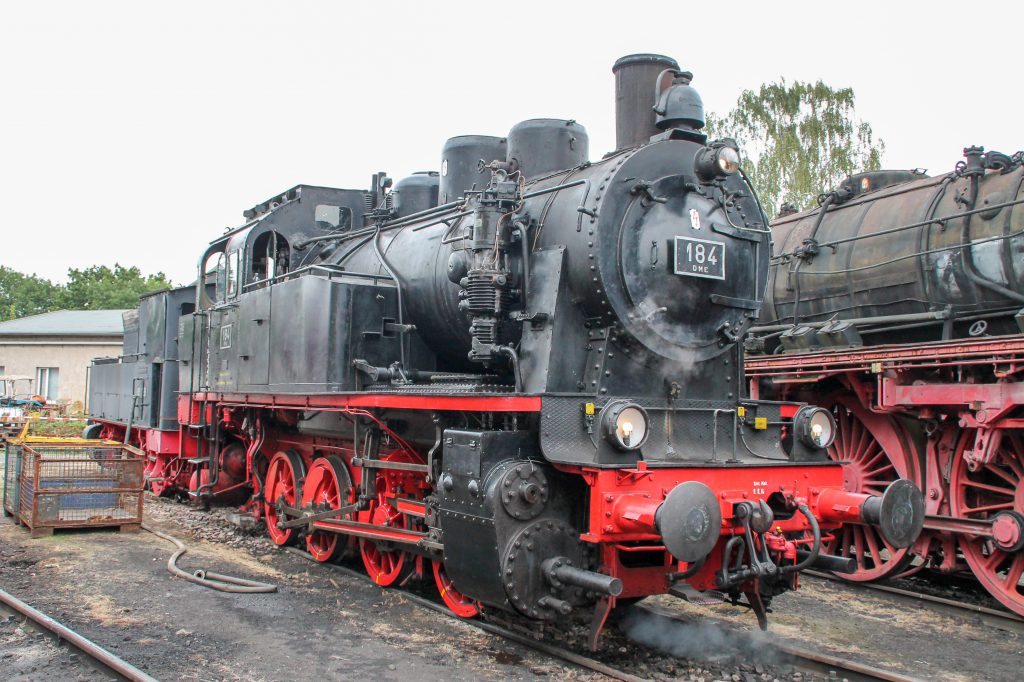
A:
x: 543, y: 145
x: 460, y: 157
x: 416, y: 193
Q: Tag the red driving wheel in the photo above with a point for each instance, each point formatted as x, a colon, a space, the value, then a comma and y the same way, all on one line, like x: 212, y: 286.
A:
x: 283, y: 483
x: 875, y: 451
x: 993, y: 490
x: 327, y: 486
x: 461, y: 605
x: 386, y: 562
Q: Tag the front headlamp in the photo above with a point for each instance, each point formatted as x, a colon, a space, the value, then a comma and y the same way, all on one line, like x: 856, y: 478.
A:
x: 718, y: 160
x: 624, y: 425
x: 728, y: 160
x: 815, y: 427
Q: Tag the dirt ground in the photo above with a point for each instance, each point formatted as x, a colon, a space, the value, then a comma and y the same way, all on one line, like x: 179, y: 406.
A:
x: 114, y: 589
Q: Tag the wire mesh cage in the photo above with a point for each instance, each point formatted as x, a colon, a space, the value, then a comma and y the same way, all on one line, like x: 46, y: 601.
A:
x: 12, y: 469
x: 66, y: 484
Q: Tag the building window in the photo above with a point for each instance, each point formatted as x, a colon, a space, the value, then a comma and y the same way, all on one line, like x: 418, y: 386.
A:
x: 46, y: 382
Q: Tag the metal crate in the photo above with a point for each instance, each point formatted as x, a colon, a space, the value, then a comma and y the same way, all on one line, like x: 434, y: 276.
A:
x: 69, y: 484
x: 12, y: 471
x: 11, y: 481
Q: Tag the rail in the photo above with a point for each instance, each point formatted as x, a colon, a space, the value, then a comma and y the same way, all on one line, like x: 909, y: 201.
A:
x: 91, y: 649
x: 1004, y: 620
x: 806, y: 659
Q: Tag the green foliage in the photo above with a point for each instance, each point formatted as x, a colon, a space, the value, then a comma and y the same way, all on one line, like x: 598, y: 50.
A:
x: 22, y: 295
x: 798, y: 140
x: 95, y: 288
x: 100, y: 288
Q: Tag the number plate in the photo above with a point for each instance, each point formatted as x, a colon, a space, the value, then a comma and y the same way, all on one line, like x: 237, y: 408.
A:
x: 700, y: 258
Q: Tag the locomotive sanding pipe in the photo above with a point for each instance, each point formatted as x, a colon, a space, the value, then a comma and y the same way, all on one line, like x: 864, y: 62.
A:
x: 830, y: 198
x: 215, y: 581
x: 92, y: 649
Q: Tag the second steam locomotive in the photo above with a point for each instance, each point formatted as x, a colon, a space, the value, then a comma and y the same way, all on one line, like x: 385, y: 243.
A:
x: 522, y: 374
x: 898, y: 304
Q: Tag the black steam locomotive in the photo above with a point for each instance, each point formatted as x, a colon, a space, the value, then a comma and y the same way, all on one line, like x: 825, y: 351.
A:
x: 522, y: 372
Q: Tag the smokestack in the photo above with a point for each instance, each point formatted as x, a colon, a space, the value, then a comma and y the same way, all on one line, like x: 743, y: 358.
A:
x: 635, y: 77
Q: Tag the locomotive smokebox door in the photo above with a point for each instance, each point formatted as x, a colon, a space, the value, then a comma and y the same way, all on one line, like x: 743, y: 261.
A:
x: 681, y: 259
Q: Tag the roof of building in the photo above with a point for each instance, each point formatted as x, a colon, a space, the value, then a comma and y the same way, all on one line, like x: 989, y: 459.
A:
x: 66, y: 323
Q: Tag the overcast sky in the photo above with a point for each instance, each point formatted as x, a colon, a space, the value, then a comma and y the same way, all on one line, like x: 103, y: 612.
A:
x: 136, y: 131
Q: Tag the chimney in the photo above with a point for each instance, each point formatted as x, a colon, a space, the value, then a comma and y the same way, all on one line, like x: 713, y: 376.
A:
x: 635, y: 77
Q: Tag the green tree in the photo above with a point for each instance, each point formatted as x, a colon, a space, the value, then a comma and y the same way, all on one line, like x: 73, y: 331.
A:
x: 22, y: 295
x: 99, y: 287
x: 798, y: 140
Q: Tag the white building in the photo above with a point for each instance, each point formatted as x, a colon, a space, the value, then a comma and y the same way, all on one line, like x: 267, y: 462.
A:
x: 52, y: 351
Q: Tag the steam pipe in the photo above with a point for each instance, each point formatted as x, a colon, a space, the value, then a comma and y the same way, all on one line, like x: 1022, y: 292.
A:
x: 344, y: 236
x: 513, y: 358
x: 830, y: 198
x: 524, y: 243
x: 938, y: 315
x: 812, y: 556
x: 690, y: 571
x: 398, y: 293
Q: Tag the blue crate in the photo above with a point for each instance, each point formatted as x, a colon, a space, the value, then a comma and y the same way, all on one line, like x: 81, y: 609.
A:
x: 79, y: 500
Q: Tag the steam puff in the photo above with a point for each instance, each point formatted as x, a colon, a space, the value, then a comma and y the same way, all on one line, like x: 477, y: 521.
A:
x: 699, y: 641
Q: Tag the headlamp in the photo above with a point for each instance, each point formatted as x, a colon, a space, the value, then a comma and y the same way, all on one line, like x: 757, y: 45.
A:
x: 728, y: 160
x: 815, y: 427
x: 624, y: 425
x: 719, y: 160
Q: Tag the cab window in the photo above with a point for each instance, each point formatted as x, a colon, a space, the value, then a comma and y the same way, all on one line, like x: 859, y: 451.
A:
x: 330, y: 217
x: 232, y: 274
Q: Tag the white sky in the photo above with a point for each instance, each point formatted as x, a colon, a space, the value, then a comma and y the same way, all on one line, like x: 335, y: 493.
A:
x: 136, y: 131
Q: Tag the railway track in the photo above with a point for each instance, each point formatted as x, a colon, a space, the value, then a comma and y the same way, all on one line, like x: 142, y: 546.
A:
x: 1004, y: 620
x: 807, y: 661
x: 568, y: 656
x: 100, y: 657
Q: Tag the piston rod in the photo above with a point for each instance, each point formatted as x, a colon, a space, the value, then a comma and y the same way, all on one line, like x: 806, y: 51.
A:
x: 558, y: 571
